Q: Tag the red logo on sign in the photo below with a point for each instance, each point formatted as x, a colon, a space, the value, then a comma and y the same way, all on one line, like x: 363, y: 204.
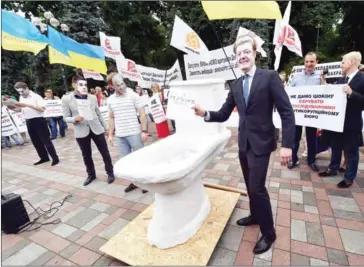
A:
x: 131, y: 66
x: 107, y: 44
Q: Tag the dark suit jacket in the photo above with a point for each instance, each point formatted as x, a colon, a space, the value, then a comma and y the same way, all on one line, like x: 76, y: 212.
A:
x: 355, y: 105
x: 256, y: 122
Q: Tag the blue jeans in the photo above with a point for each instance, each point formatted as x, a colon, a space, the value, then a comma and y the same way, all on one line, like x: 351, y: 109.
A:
x: 15, y: 137
x: 53, y: 125
x: 127, y: 144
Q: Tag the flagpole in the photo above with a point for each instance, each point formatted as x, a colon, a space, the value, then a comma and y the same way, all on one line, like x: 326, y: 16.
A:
x: 218, y: 39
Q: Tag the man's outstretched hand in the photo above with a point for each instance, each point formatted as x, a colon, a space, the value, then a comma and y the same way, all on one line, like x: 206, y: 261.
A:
x: 286, y: 156
x: 199, y: 111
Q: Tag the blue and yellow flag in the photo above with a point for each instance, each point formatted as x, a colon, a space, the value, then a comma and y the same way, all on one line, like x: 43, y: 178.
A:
x: 65, y: 50
x: 57, y: 50
x: 19, y: 34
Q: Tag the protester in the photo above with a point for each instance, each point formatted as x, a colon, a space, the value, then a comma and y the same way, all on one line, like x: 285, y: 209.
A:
x: 85, y: 130
x: 351, y: 138
x: 32, y: 106
x: 283, y: 77
x: 53, y: 121
x: 307, y: 77
x: 98, y: 94
x: 256, y: 133
x: 123, y: 107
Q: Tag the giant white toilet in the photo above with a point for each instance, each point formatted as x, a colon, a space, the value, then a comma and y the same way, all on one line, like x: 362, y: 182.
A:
x: 171, y: 168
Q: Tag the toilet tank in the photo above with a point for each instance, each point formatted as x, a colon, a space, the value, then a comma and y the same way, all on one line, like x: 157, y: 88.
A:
x: 209, y: 95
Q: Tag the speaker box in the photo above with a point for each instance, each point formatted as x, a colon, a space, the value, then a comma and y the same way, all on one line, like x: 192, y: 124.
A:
x: 14, y: 216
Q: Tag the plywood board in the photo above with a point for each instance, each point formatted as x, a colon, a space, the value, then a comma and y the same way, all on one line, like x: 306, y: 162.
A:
x: 131, y: 245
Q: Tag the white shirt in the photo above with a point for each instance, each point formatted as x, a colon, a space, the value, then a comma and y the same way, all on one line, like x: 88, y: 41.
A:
x: 32, y: 99
x: 125, y: 114
x: 351, y: 76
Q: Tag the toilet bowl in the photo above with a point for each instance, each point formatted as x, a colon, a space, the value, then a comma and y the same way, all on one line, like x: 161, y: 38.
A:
x: 171, y: 169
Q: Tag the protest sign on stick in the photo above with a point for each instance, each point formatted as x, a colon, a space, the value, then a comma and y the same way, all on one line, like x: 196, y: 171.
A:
x: 19, y: 120
x: 7, y: 126
x: 318, y: 106
x: 156, y: 109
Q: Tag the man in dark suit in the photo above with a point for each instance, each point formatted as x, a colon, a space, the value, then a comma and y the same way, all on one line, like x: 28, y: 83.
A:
x: 255, y: 94
x: 351, y: 138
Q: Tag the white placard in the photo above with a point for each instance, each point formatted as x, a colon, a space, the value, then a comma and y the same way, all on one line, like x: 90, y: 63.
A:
x: 217, y: 67
x: 53, y: 108
x: 104, y: 110
x: 89, y: 74
x: 180, y: 104
x: 84, y: 109
x: 319, y: 106
x: 156, y: 109
x: 7, y: 126
x: 334, y: 69
x: 111, y: 45
x: 19, y: 120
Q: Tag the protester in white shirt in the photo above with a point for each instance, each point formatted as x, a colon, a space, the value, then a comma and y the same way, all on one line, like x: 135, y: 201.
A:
x: 33, y: 107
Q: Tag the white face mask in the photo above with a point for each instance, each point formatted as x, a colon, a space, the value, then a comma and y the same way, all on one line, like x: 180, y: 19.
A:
x: 119, y: 84
x: 23, y: 92
x: 245, y: 56
x: 82, y: 87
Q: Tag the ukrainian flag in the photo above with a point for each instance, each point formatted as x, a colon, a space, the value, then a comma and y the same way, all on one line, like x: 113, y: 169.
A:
x: 56, y: 49
x: 19, y: 34
x: 65, y: 50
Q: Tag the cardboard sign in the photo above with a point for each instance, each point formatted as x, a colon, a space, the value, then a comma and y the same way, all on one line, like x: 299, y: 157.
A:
x: 53, y: 108
x: 19, y: 120
x: 156, y: 109
x: 84, y: 109
x: 7, y: 126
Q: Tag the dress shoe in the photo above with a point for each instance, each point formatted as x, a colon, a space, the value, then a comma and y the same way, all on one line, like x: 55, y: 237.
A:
x: 345, y: 183
x: 89, y: 180
x: 247, y: 221
x: 314, y: 167
x: 264, y: 244
x: 328, y: 173
x: 291, y: 165
x: 41, y: 161
x: 130, y: 187
x: 55, y: 162
x: 144, y: 191
x: 110, y: 178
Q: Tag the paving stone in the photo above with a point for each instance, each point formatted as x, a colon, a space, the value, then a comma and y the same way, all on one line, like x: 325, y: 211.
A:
x: 337, y: 256
x: 266, y: 256
x: 111, y: 210
x: 26, y: 255
x: 222, y: 256
x: 296, y: 187
x: 314, y: 234
x: 298, y: 230
x: 76, y: 235
x: 274, y: 184
x: 309, y: 199
x: 352, y: 216
x: 299, y: 260
x: 275, y: 173
x: 100, y: 206
x: 231, y: 238
x: 297, y: 206
x: 64, y: 230
x: 103, y: 261
x: 51, y: 192
x: 17, y: 247
x: 285, y: 192
x: 221, y: 167
x: 83, y: 218
x: 43, y: 259
x: 297, y: 196
x: 88, y: 226
x: 85, y: 257
x: 339, y: 193
x: 311, y: 209
x: 316, y: 262
x: 236, y: 215
x: 130, y: 215
x: 273, y: 190
x: 352, y: 241
x: 233, y: 168
x: 327, y: 220
x: 287, y: 174
x: 260, y: 262
x: 69, y: 251
x: 343, y: 203
x: 307, y: 189
x: 285, y: 186
x: 305, y: 176
x: 73, y: 213
x: 114, y: 228
x: 96, y: 243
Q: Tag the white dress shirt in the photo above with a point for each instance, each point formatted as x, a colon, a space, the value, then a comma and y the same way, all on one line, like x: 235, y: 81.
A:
x: 351, y: 76
x: 32, y: 99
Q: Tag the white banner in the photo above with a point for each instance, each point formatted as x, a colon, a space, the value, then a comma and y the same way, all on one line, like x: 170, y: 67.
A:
x: 104, y: 110
x: 89, y: 74
x: 217, y: 67
x: 334, y: 69
x: 19, y: 121
x: 319, y: 106
x: 180, y: 104
x: 7, y: 126
x: 111, y: 45
x: 146, y: 76
x: 53, y: 108
x: 156, y: 109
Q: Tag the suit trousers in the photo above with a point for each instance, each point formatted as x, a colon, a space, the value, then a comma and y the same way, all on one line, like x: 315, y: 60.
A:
x: 255, y: 169
x: 100, y: 142
x: 311, y: 144
x: 39, y: 134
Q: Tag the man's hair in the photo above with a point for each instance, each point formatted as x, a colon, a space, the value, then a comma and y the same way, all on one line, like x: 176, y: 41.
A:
x: 355, y: 55
x: 48, y: 91
x: 243, y: 40
x: 21, y: 85
x: 109, y: 77
x: 311, y: 53
x: 77, y: 78
x: 117, y: 79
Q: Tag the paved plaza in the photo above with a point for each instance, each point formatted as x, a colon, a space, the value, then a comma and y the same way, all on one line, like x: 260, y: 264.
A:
x: 316, y: 223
